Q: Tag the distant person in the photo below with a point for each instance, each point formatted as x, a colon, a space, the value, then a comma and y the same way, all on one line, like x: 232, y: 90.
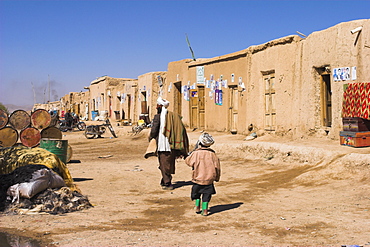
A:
x: 69, y: 119
x: 206, y: 170
x: 172, y: 141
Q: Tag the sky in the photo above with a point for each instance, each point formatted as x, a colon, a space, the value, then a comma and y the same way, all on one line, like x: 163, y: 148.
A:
x: 49, y: 48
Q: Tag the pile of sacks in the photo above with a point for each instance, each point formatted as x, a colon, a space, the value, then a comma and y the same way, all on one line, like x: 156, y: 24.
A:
x: 34, y: 180
x: 37, y: 188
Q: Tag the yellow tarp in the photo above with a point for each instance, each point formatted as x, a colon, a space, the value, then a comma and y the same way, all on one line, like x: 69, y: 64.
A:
x: 13, y: 157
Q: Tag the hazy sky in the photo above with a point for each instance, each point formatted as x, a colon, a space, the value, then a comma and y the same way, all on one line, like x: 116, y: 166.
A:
x: 68, y: 44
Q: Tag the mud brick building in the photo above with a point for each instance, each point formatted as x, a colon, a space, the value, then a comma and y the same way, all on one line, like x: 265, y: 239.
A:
x: 292, y: 86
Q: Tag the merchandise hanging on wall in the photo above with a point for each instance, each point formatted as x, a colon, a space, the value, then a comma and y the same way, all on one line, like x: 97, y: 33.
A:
x: 342, y: 74
x: 185, y: 91
x: 354, y: 73
x: 356, y: 99
x: 200, y: 75
x: 208, y: 84
x: 170, y: 87
x: 224, y: 83
x: 218, y: 97
x: 160, y: 82
x: 210, y: 95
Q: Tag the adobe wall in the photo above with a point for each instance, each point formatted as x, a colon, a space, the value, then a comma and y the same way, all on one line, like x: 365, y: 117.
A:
x: 299, y: 66
x: 177, y: 72
x: 148, y: 85
x: 118, y: 90
x: 217, y: 116
x: 278, y: 58
x: 334, y: 47
x: 97, y: 95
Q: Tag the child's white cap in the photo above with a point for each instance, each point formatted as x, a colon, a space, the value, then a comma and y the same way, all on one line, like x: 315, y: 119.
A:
x: 206, y: 139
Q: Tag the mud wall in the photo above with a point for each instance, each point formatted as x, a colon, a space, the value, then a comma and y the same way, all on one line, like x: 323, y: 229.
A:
x: 335, y: 47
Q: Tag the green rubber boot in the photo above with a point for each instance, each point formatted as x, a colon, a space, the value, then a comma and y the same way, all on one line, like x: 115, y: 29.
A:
x: 204, y: 208
x: 197, y: 206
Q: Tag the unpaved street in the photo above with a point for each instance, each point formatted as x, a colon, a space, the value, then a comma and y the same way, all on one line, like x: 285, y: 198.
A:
x: 262, y: 201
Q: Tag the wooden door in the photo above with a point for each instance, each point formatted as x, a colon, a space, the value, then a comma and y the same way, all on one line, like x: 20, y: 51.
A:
x: 129, y: 107
x: 193, y: 108
x: 201, y: 107
x: 326, y: 94
x: 110, y: 106
x: 270, y: 109
x: 177, y: 98
x: 233, y: 109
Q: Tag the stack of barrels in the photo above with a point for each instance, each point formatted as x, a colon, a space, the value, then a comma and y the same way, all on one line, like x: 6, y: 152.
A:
x: 37, y: 129
x: 26, y: 128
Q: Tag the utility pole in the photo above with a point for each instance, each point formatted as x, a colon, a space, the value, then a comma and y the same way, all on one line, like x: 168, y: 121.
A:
x: 49, y: 86
x: 34, y: 94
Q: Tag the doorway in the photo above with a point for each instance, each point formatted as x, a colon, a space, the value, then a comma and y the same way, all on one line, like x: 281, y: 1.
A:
x: 326, y: 95
x: 233, y: 109
x: 270, y: 104
x: 129, y: 107
x: 177, y: 98
x: 197, y: 108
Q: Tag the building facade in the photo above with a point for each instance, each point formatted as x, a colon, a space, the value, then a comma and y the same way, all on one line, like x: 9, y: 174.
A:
x: 288, y: 86
x: 292, y: 86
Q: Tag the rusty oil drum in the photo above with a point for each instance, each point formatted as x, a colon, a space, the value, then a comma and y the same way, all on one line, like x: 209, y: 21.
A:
x: 20, y: 119
x: 30, y: 137
x: 51, y: 133
x: 8, y: 136
x: 3, y: 119
x: 40, y: 119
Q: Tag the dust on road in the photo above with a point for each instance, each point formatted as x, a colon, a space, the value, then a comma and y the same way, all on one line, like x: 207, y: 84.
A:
x: 259, y: 201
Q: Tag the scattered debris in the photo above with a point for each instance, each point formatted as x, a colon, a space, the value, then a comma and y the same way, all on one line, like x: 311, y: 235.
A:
x: 252, y: 136
x: 52, y: 201
x: 35, y: 189
x: 105, y: 156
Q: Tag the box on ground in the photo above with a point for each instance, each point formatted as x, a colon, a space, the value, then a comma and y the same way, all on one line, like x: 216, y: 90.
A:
x: 355, y: 139
x: 355, y: 124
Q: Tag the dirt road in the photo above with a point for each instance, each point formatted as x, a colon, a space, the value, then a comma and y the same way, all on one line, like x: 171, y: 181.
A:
x: 261, y: 201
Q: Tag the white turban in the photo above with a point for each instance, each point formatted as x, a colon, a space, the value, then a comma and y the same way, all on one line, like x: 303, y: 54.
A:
x: 206, y: 139
x: 163, y: 102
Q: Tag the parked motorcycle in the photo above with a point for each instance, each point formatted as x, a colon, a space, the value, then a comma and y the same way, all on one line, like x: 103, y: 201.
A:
x: 136, y: 129
x: 93, y: 131
x: 62, y: 125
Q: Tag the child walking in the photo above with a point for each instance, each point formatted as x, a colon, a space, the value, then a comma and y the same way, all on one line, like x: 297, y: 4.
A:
x: 206, y: 170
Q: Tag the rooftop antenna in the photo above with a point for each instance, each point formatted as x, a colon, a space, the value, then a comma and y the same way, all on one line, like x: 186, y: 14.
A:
x: 301, y: 34
x: 191, y: 50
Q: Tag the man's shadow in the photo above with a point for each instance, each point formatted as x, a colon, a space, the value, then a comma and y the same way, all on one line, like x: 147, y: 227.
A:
x: 220, y: 208
x: 179, y: 184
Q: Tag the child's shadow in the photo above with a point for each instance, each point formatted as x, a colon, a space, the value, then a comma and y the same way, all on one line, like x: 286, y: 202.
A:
x: 219, y: 208
x: 179, y: 184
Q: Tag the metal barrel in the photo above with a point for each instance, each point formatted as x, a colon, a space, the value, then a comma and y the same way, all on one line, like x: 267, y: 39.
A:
x: 40, y: 119
x: 51, y: 133
x: 69, y: 153
x: 8, y: 136
x: 19, y: 119
x: 57, y: 147
x: 30, y: 137
x: 3, y: 119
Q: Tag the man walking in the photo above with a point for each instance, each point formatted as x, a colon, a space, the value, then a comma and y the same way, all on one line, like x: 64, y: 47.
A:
x: 172, y: 141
